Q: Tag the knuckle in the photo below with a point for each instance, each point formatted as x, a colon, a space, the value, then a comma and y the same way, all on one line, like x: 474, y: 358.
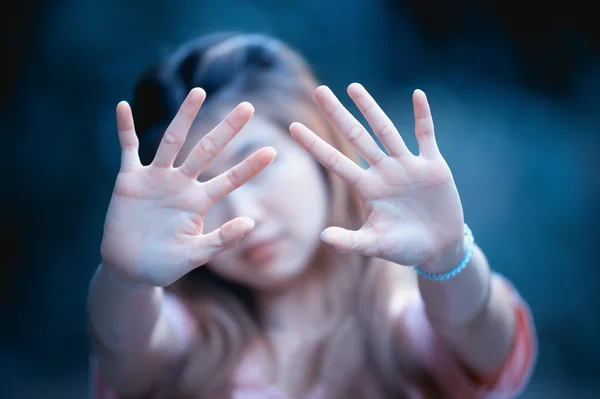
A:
x: 377, y: 157
x: 311, y: 146
x: 188, y: 113
x: 368, y: 106
x: 387, y: 129
x: 231, y: 124
x: 352, y: 246
x: 186, y: 170
x: 233, y: 178
x: 171, y: 138
x: 207, y: 145
x: 333, y: 158
x: 208, y: 193
x: 355, y: 132
x: 331, y: 110
x: 251, y: 165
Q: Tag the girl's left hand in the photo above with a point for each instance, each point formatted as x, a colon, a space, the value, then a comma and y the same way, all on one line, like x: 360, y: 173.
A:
x: 413, y: 211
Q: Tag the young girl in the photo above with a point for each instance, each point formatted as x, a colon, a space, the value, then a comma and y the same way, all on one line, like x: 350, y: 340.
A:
x: 241, y: 259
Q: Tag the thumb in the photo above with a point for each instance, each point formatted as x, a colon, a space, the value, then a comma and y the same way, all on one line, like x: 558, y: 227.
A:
x: 209, y: 245
x: 344, y: 240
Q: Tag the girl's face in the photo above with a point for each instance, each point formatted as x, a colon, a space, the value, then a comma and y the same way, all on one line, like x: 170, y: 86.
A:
x: 288, y: 202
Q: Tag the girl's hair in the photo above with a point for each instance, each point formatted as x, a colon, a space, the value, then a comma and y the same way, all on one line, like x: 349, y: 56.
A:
x: 357, y: 355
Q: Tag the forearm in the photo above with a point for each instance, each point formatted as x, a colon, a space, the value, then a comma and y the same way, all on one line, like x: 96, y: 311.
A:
x: 130, y: 336
x: 473, y: 312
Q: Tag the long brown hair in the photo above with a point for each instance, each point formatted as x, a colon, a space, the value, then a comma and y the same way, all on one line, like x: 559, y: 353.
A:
x: 357, y: 356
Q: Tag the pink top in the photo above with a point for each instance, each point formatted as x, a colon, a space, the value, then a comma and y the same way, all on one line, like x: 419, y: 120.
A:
x: 508, y: 382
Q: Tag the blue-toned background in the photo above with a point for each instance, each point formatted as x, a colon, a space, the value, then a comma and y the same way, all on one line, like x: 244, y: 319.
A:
x: 514, y: 90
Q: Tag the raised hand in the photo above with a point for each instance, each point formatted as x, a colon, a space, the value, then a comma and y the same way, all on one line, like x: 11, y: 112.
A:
x: 153, y: 232
x: 414, y: 214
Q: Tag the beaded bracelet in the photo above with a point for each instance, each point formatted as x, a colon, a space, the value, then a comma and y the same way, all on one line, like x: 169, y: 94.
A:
x: 454, y: 272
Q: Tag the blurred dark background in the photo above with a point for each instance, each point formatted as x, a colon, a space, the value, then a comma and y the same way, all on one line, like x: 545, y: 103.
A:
x: 514, y: 89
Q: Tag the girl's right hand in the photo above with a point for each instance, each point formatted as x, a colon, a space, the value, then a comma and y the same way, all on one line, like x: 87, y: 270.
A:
x: 153, y: 232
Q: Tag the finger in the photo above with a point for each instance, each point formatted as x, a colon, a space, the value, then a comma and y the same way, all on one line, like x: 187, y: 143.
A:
x: 347, y: 124
x: 380, y: 123
x: 127, y: 138
x: 235, y: 177
x: 175, y: 134
x: 350, y: 240
x: 213, y: 143
x: 326, y: 155
x: 424, y: 126
x: 227, y: 236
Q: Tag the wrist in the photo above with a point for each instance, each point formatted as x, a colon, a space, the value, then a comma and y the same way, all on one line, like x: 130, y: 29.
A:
x: 119, y: 279
x: 439, y: 265
x: 448, y: 259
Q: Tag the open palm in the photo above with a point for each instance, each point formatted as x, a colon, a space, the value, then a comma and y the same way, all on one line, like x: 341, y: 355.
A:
x: 411, y: 203
x: 153, y: 230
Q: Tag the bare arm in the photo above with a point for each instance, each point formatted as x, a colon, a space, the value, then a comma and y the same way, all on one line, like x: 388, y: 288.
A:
x: 473, y: 312
x: 130, y: 334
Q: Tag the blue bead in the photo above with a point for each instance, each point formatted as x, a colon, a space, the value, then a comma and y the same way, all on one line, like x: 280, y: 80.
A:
x: 454, y: 272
